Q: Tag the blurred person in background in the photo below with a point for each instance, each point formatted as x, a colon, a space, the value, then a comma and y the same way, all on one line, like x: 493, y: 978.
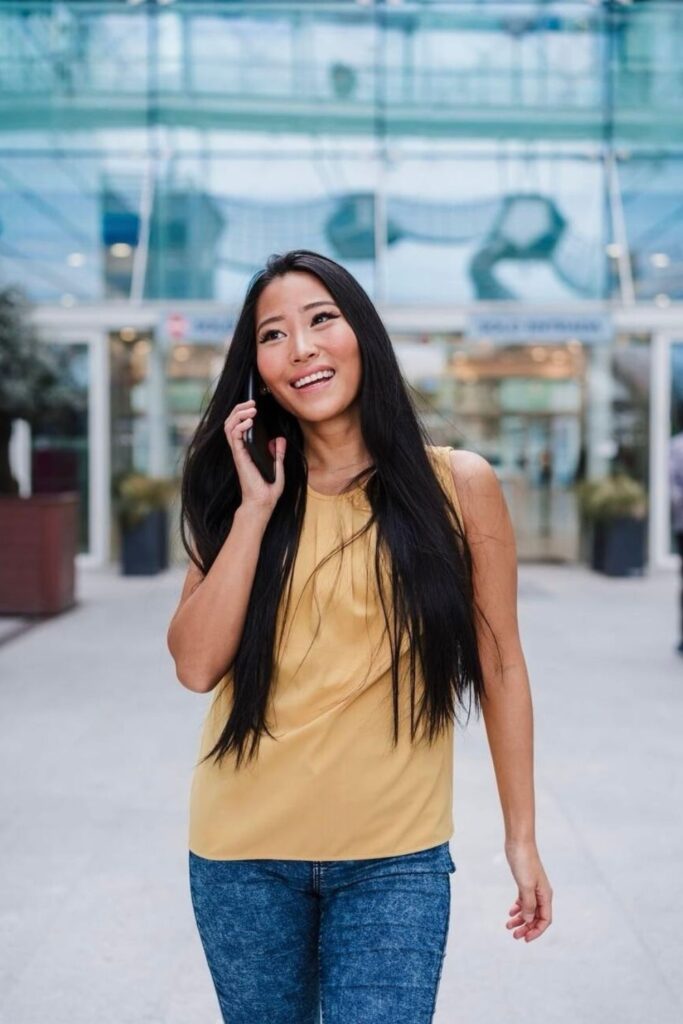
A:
x: 374, y: 578
x: 676, y: 487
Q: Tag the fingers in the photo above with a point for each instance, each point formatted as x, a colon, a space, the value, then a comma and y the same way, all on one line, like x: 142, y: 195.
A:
x: 240, y: 412
x: 279, y: 456
x: 528, y: 903
x: 239, y: 420
x: 530, y: 924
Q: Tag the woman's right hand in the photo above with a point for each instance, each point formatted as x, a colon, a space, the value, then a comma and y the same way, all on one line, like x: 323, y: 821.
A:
x: 256, y: 492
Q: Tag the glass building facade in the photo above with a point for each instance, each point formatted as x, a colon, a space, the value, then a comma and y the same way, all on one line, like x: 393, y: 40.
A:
x: 504, y: 179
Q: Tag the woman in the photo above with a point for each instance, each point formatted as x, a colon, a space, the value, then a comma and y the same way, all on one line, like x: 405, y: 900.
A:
x: 364, y: 593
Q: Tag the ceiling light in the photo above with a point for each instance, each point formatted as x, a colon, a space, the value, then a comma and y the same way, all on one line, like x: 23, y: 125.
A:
x: 659, y: 259
x: 613, y: 250
x: 120, y: 250
x: 75, y: 259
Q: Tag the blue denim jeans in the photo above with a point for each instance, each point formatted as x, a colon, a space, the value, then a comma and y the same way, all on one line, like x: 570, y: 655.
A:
x: 332, y: 941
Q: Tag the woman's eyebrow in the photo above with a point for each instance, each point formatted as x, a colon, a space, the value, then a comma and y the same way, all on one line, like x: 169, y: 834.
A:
x: 309, y: 305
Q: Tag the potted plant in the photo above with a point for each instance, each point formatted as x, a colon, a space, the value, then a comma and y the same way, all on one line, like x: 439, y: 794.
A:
x: 141, y: 509
x: 38, y: 532
x: 615, y: 507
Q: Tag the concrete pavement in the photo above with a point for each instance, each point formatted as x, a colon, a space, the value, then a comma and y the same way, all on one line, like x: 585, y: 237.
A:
x: 97, y: 742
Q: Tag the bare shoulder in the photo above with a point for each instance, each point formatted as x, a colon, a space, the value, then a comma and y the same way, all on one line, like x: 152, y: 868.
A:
x: 466, y: 465
x: 480, y: 494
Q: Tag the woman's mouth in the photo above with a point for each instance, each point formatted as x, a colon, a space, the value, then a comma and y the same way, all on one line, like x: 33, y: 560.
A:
x: 316, y: 382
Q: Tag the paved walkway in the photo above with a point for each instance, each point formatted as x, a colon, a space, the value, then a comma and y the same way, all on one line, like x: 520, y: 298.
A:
x: 97, y: 739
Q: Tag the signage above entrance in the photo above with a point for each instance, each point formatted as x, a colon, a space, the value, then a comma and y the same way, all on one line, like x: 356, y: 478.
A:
x: 198, y: 328
x: 524, y: 328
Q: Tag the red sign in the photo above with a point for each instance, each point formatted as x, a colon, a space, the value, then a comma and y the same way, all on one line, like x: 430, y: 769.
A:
x: 176, y: 326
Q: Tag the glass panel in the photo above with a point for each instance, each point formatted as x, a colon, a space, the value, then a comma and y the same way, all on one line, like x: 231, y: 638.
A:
x: 629, y: 425
x: 217, y: 219
x: 265, y: 129
x: 192, y: 371
x: 129, y: 368
x: 60, y: 440
x: 497, y: 227
x: 651, y: 191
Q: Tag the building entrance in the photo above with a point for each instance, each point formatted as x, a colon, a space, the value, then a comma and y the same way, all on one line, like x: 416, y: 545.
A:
x: 521, y: 407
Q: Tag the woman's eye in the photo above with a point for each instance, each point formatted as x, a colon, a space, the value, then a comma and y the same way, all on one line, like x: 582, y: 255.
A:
x: 330, y: 316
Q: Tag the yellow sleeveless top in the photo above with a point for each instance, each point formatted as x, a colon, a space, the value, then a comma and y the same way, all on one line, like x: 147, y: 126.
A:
x: 329, y: 786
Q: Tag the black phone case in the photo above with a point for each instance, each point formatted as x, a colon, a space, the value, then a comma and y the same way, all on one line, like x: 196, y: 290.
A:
x: 256, y: 437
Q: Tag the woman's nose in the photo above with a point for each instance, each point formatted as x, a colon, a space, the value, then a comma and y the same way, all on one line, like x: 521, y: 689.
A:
x: 302, y: 345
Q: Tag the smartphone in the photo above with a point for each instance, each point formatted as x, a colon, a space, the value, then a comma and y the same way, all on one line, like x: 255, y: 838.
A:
x: 256, y: 436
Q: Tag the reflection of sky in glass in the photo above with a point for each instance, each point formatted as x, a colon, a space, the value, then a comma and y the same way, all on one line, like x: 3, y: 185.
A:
x: 249, y: 111
x: 653, y: 209
x: 469, y: 191
x: 440, y: 213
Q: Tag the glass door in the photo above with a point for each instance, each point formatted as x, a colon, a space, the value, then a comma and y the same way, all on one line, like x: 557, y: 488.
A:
x: 540, y: 454
x: 521, y: 407
x: 69, y: 445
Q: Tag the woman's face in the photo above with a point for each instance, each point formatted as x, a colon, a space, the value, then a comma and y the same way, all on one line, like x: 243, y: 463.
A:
x: 299, y: 330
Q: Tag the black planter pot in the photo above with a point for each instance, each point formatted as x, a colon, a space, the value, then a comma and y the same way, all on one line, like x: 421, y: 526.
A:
x: 618, y: 547
x: 144, y: 547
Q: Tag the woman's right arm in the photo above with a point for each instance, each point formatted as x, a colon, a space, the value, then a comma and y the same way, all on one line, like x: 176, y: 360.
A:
x: 206, y: 629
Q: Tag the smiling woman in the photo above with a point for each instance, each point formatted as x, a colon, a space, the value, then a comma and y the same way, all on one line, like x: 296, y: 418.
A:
x: 314, y: 352
x: 342, y: 626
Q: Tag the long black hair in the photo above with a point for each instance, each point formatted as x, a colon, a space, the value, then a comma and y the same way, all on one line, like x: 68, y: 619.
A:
x: 421, y: 547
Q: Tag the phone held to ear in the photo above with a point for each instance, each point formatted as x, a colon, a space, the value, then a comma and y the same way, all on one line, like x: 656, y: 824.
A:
x: 256, y: 437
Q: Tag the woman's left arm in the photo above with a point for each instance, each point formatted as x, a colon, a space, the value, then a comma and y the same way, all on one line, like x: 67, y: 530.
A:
x: 507, y: 707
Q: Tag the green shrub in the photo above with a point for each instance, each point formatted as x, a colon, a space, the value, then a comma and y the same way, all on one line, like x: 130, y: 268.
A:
x: 136, y: 495
x: 612, y: 497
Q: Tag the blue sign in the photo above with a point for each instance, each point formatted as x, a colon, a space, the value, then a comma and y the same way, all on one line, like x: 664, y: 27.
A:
x: 525, y: 328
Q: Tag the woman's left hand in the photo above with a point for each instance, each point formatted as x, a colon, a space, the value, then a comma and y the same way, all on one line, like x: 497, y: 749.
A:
x: 532, y: 911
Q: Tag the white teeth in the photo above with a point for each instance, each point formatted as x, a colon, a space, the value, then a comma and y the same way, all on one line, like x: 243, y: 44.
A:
x: 322, y: 375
